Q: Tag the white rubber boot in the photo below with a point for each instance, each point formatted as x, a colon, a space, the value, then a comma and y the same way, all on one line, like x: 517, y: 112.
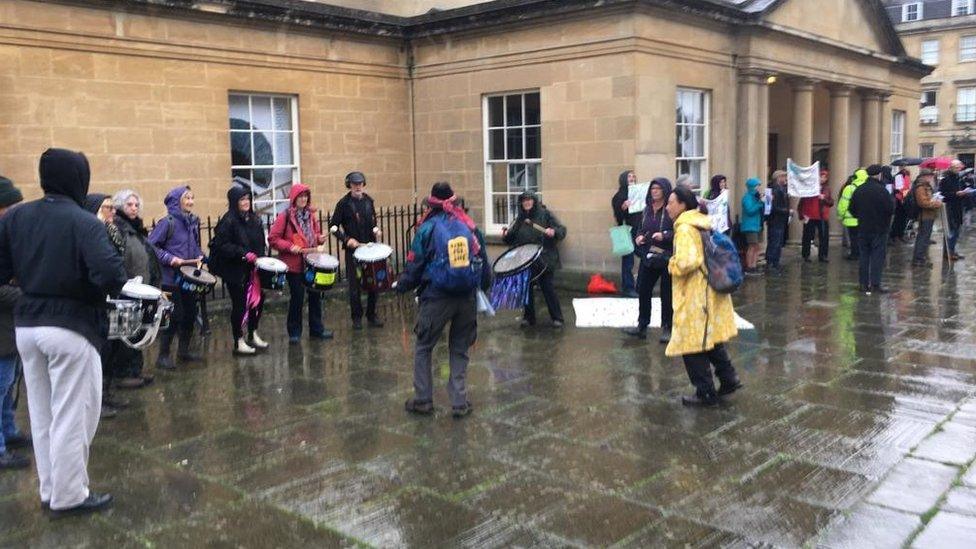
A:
x: 242, y: 348
x: 258, y: 342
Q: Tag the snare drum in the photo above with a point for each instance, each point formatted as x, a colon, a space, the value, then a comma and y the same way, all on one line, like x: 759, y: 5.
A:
x: 195, y: 280
x: 517, y: 259
x: 373, y: 266
x: 321, y: 271
x: 141, y: 309
x: 148, y: 298
x: 271, y: 273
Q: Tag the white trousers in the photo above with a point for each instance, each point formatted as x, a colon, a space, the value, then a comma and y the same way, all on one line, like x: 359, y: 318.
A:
x: 63, y: 374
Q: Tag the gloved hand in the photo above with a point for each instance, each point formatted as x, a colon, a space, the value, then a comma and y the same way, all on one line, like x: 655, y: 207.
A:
x: 251, y: 257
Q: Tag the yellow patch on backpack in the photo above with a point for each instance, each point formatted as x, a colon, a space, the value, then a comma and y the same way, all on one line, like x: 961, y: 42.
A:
x: 457, y: 252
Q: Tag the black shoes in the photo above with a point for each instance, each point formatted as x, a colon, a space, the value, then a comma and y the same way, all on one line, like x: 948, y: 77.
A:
x: 727, y: 389
x: 557, y: 323
x: 165, y: 363
x: 357, y: 324
x: 823, y: 260
x: 639, y: 333
x: 10, y: 460
x: 665, y: 335
x: 525, y: 323
x: 374, y: 323
x: 94, y: 503
x: 419, y: 407
x: 880, y: 290
x: 459, y: 412
x: 325, y: 334
x: 865, y: 290
x: 708, y: 401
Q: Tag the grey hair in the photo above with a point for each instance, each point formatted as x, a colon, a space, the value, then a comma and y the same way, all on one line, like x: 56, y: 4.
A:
x: 683, y: 179
x: 122, y: 196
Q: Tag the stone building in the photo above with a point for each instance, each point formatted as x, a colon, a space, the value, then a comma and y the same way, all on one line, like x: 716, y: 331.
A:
x: 942, y: 33
x: 495, y: 97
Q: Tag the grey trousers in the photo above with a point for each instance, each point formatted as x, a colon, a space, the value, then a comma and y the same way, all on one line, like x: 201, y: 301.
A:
x: 433, y: 316
x: 921, y: 251
x: 63, y: 373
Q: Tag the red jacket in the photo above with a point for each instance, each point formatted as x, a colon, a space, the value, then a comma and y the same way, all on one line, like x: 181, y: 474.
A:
x: 817, y: 208
x: 286, y: 233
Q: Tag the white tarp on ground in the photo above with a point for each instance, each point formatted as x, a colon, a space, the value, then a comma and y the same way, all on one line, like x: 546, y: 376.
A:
x: 621, y: 312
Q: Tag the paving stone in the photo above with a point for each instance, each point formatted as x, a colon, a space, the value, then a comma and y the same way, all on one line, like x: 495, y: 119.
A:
x: 23, y: 524
x: 947, y: 531
x: 676, y: 532
x: 970, y: 477
x: 961, y: 500
x: 880, y: 527
x: 598, y: 520
x: 924, y: 480
x: 953, y: 443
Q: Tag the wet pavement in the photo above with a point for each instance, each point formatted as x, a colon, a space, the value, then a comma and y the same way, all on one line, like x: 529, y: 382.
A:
x: 857, y: 427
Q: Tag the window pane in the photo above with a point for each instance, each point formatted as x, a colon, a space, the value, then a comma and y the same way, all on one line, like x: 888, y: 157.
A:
x: 496, y: 111
x: 263, y: 155
x: 533, y: 114
x: 517, y: 178
x: 240, y: 148
x: 496, y: 144
x: 499, y: 177
x: 283, y: 148
x: 241, y: 177
x: 533, y: 175
x: 514, y: 138
x: 261, y: 183
x: 533, y: 142
x: 513, y: 110
x: 261, y: 111
x: 239, y: 115
x: 282, y: 113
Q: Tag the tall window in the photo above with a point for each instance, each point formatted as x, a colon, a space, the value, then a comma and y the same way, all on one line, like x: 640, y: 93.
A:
x: 929, y: 108
x: 967, y: 48
x: 897, y: 134
x: 513, y: 153
x: 691, y: 145
x: 911, y: 12
x: 264, y: 147
x: 930, y: 52
x: 962, y: 7
x: 926, y: 150
x: 966, y: 105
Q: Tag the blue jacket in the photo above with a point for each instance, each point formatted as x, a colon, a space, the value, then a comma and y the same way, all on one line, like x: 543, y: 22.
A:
x: 421, y: 252
x: 752, y: 208
x: 182, y: 241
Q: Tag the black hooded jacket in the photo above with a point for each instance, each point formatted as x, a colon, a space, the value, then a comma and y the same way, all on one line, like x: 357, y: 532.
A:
x: 617, y: 202
x: 657, y: 221
x: 235, y: 236
x: 59, y: 254
x: 525, y: 233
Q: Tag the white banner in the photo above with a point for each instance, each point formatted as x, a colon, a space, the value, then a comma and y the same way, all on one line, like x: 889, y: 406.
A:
x: 637, y: 194
x: 802, y: 182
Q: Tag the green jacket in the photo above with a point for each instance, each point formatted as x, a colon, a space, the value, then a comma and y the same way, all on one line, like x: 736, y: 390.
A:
x: 844, y: 204
x: 522, y: 233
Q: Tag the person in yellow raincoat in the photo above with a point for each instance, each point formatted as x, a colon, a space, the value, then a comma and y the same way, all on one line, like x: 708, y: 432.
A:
x: 703, y: 318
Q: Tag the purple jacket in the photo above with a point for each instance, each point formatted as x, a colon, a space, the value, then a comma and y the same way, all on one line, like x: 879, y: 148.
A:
x: 182, y: 240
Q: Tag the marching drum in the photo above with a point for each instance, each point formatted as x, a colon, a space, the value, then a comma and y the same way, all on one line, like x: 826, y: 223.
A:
x: 321, y: 271
x: 271, y: 273
x: 373, y: 266
x: 195, y: 280
x: 515, y: 270
x: 140, y: 308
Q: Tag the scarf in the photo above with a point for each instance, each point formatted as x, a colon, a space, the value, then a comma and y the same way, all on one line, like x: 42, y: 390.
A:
x: 115, y: 235
x: 304, y: 218
x: 450, y: 207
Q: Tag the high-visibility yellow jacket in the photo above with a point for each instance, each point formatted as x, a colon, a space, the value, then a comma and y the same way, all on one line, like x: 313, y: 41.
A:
x: 844, y: 204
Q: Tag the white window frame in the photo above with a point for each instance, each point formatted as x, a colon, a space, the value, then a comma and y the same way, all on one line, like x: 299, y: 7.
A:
x: 932, y: 115
x: 962, y: 7
x: 898, y: 134
x: 905, y: 12
x: 922, y: 150
x: 295, y: 165
x: 966, y: 112
x: 706, y: 137
x: 967, y: 52
x: 492, y: 226
x: 932, y: 57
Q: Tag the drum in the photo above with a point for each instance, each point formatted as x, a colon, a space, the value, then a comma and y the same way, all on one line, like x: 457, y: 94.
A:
x: 140, y: 309
x: 148, y: 298
x: 515, y: 270
x: 373, y: 266
x: 195, y: 280
x: 321, y: 271
x: 271, y: 273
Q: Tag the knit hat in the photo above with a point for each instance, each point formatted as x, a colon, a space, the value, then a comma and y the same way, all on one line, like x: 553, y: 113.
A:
x: 442, y: 190
x: 9, y: 195
x: 874, y: 169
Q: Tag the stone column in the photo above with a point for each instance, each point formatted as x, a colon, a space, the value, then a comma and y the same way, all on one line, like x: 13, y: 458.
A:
x: 840, y: 163
x: 870, y: 128
x: 802, y: 121
x: 752, y: 130
x: 885, y: 128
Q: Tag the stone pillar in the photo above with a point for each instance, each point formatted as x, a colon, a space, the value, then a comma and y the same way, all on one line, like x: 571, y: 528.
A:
x: 840, y: 163
x: 870, y: 128
x: 752, y: 131
x: 885, y: 129
x: 802, y: 121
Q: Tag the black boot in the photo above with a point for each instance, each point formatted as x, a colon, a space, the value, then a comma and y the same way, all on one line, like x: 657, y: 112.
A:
x: 164, y: 361
x: 706, y: 401
x: 638, y: 332
x: 183, y: 351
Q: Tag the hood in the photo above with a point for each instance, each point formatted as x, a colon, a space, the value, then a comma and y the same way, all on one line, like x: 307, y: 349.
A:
x: 860, y: 176
x: 94, y: 201
x: 65, y: 173
x: 694, y: 218
x: 234, y: 194
x: 886, y: 177
x: 622, y: 180
x: 296, y: 190
x: 665, y: 186
x: 172, y: 200
x: 535, y: 206
x: 752, y: 184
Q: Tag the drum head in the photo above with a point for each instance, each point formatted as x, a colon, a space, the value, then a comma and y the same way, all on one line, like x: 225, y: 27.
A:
x: 199, y: 276
x: 516, y: 259
x: 322, y: 260
x: 135, y: 290
x: 374, y: 251
x: 271, y: 264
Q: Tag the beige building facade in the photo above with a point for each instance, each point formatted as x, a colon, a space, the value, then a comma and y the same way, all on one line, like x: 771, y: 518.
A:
x: 495, y: 97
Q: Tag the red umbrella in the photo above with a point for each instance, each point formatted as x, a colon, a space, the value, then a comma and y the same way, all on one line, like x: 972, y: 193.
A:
x: 937, y: 163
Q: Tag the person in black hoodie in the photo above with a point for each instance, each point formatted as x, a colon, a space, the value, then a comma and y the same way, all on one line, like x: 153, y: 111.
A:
x: 953, y: 194
x: 655, y: 245
x: 237, y: 243
x: 779, y: 220
x: 65, y: 269
x: 873, y: 206
x: 10, y: 436
x: 353, y: 222
x: 620, y: 204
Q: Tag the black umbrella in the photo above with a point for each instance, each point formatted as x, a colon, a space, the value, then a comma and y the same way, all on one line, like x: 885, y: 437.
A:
x: 908, y: 162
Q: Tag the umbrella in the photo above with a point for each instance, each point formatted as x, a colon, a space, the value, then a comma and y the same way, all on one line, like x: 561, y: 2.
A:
x: 908, y: 162
x: 937, y: 163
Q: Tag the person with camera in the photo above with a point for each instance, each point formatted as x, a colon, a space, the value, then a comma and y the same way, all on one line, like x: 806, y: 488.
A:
x: 654, y: 243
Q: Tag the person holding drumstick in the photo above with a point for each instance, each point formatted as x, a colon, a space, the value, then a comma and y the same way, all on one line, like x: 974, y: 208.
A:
x: 535, y: 224
x: 353, y: 222
x: 295, y: 232
x: 176, y: 239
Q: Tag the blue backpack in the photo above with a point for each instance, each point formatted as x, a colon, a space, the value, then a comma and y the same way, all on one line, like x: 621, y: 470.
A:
x: 453, y: 270
x: 723, y: 268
